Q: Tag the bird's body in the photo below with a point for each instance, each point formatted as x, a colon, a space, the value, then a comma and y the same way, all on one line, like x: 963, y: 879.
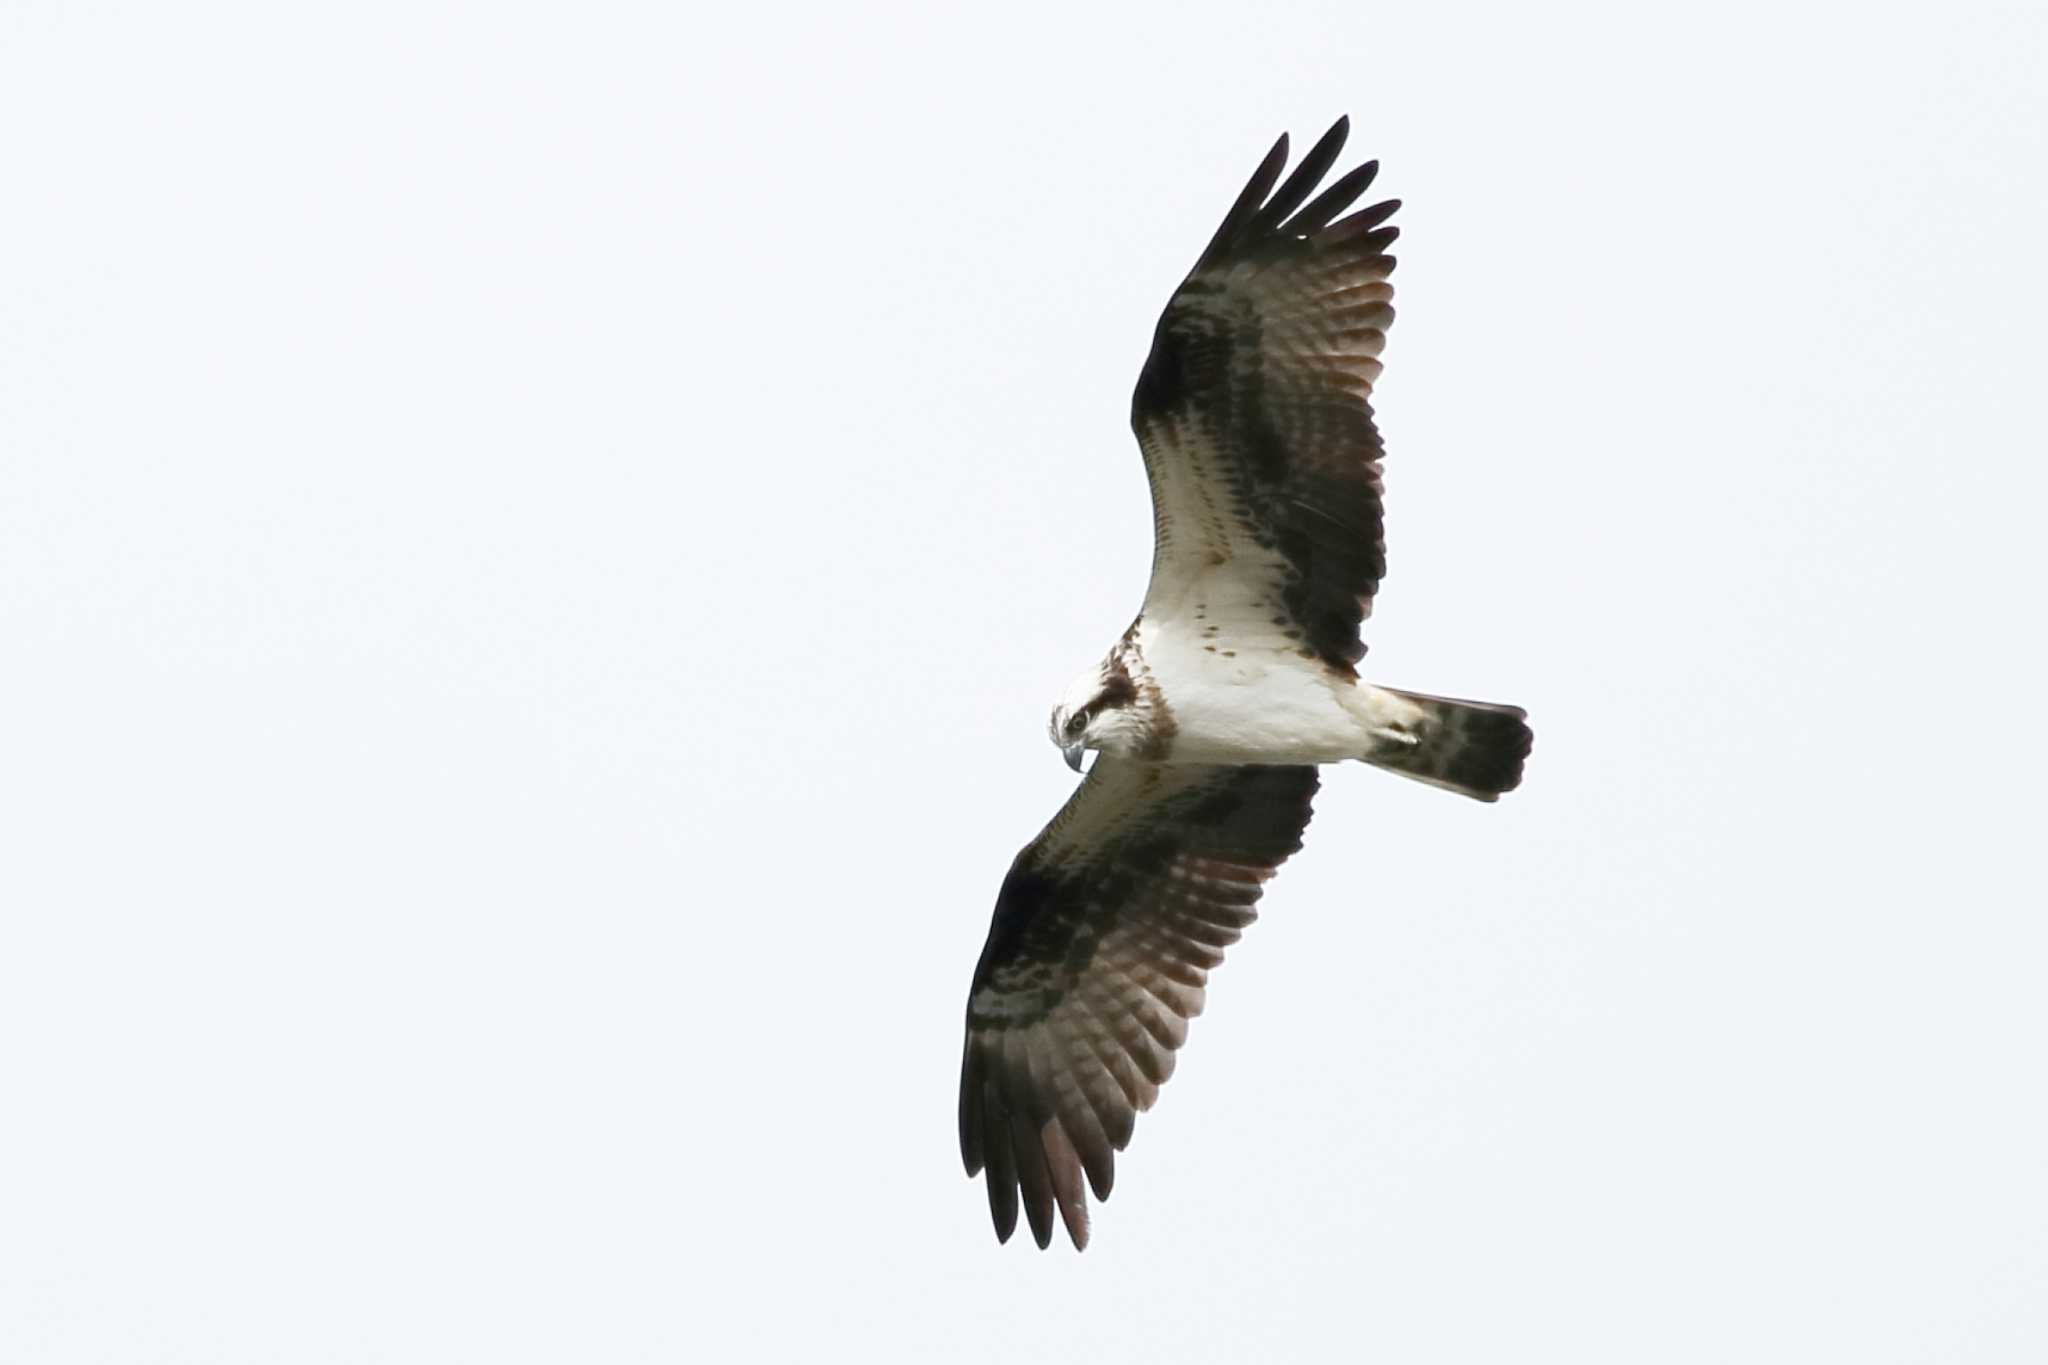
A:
x: 1214, y: 711
x: 1242, y: 696
x: 1253, y: 702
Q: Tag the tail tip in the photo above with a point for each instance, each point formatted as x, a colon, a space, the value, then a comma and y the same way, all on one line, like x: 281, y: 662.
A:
x: 1497, y: 746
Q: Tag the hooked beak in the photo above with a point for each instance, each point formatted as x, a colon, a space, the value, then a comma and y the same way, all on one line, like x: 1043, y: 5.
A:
x: 1073, y: 753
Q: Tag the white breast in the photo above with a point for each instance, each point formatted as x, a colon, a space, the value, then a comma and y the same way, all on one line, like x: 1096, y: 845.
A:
x: 1238, y: 689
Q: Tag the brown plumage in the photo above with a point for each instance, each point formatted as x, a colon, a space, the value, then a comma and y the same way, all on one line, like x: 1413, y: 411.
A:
x: 1104, y: 935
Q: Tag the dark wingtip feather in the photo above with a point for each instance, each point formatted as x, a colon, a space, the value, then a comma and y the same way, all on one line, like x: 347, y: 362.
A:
x: 1248, y: 200
x: 1332, y: 201
x: 1100, y: 1167
x: 970, y: 1113
x: 1002, y: 1167
x: 1302, y: 182
x: 1035, y: 1178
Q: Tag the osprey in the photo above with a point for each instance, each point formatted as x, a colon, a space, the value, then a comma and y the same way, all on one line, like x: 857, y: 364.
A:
x: 1209, y: 717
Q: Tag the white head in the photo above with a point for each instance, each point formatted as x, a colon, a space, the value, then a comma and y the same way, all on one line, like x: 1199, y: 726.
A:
x: 1100, y: 711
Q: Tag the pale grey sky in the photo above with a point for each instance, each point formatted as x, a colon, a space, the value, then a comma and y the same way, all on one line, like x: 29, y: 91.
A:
x: 536, y: 547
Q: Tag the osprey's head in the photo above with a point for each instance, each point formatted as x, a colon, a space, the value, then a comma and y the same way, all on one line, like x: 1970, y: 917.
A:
x: 1100, y: 711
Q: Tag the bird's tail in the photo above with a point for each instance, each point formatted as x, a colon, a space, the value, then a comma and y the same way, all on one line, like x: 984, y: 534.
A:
x: 1475, y: 748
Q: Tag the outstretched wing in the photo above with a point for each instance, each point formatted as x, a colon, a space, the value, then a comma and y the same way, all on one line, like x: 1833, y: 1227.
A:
x: 1254, y: 415
x: 1102, y: 942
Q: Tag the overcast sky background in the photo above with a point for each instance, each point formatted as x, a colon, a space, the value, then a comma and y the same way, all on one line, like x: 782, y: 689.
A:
x: 536, y: 548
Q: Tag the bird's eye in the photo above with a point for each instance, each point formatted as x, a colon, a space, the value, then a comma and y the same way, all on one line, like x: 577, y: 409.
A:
x: 1077, y: 722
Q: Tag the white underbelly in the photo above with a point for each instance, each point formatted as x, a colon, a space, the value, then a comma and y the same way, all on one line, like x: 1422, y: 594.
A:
x: 1236, y: 701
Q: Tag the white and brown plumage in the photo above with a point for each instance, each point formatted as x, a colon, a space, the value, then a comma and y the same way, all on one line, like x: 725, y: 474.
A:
x: 1211, y: 714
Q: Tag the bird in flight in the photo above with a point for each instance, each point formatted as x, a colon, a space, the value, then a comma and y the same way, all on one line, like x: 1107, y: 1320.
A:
x: 1209, y: 717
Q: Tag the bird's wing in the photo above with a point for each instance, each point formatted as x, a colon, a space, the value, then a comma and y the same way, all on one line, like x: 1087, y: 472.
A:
x: 1103, y: 937
x: 1254, y: 415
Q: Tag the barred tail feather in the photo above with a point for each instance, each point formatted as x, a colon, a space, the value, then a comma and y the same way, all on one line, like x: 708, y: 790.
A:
x: 1474, y: 748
